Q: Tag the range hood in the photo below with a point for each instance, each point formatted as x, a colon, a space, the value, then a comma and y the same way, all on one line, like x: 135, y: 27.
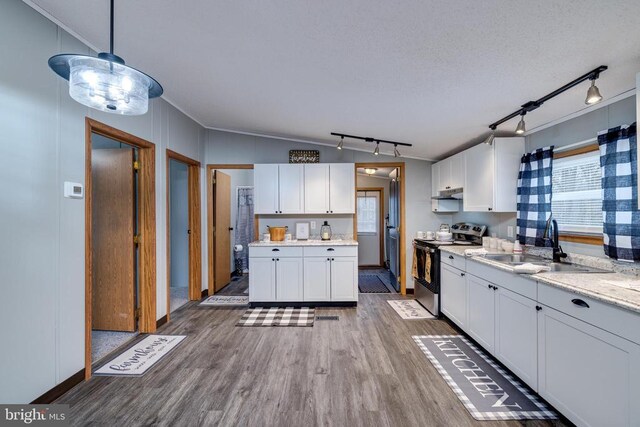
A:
x: 452, y: 193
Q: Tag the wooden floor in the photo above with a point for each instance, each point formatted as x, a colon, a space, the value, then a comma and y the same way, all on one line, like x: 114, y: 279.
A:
x: 363, y: 370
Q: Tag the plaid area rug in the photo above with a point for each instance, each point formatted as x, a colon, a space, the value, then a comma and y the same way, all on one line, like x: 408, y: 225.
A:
x: 371, y: 284
x: 275, y: 316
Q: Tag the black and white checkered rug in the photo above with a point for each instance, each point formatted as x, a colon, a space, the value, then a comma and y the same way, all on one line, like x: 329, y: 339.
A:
x: 277, y: 316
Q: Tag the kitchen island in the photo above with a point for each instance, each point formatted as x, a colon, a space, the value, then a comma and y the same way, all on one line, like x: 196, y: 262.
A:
x: 303, y: 272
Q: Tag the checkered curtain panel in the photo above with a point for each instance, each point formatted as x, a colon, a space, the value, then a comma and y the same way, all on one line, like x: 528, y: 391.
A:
x: 534, y: 196
x: 621, y: 218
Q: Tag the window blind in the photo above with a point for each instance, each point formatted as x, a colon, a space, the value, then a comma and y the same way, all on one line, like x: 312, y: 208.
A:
x: 367, y: 214
x: 576, y: 200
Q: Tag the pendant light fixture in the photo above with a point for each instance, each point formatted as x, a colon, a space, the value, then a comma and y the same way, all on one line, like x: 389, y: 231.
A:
x: 377, y: 150
x: 593, y: 94
x: 105, y: 82
x: 520, y: 129
x: 396, y: 153
x: 339, y: 147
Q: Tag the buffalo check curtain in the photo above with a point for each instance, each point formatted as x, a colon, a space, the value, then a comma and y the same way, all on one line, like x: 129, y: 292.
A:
x: 534, y: 196
x: 621, y: 218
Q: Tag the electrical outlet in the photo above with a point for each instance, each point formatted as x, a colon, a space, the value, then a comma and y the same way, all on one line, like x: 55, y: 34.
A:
x: 313, y: 225
x: 510, y: 231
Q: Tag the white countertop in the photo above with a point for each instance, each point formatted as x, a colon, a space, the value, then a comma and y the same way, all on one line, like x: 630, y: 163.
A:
x: 599, y: 286
x: 337, y: 242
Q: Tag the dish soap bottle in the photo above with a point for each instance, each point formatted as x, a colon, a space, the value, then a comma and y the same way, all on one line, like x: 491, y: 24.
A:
x: 325, y: 231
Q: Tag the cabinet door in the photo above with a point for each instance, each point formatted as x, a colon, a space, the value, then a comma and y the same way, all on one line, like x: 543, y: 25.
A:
x: 453, y: 294
x: 317, y: 279
x: 435, y: 179
x: 508, y: 152
x: 262, y: 280
x: 291, y: 189
x: 516, y: 335
x: 479, y: 179
x: 289, y: 279
x: 316, y: 188
x: 265, y: 178
x: 591, y: 376
x: 342, y: 191
x: 445, y: 174
x: 457, y: 170
x: 344, y: 279
x: 481, y: 314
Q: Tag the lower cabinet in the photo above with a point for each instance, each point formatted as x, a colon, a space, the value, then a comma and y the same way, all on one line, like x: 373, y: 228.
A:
x: 317, y: 279
x: 588, y: 374
x: 262, y: 280
x: 275, y: 279
x: 289, y: 279
x: 516, y: 335
x: 481, y: 312
x: 344, y: 279
x: 453, y: 294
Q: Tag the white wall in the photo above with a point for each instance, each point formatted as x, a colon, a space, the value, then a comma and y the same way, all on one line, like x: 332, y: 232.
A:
x: 179, y: 219
x: 42, y: 245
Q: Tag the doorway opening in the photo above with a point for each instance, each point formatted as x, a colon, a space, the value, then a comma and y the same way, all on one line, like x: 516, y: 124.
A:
x: 378, y: 225
x: 184, y: 252
x: 232, y: 225
x: 120, y: 263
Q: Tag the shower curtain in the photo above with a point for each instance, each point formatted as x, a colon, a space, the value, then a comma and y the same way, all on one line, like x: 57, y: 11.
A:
x: 244, y: 224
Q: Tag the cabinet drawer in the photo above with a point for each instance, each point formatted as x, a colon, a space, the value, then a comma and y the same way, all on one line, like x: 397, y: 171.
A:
x: 605, y: 316
x: 454, y: 260
x: 331, y: 251
x: 271, y: 251
x: 512, y: 281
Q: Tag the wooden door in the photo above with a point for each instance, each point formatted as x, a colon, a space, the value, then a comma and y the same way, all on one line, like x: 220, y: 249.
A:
x: 222, y: 229
x: 113, y: 228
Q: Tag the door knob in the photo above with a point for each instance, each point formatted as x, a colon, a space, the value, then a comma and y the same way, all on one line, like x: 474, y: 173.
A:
x: 230, y: 228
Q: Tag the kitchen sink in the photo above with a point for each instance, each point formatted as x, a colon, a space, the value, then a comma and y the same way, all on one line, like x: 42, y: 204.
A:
x: 517, y: 258
x: 556, y: 267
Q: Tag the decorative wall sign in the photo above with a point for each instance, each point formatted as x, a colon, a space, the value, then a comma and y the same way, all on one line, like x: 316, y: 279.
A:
x: 304, y: 156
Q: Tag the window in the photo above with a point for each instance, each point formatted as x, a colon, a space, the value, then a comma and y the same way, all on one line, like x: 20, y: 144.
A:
x: 576, y: 200
x: 367, y: 213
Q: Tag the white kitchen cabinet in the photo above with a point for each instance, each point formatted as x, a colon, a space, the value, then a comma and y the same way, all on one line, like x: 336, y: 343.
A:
x: 453, y: 294
x: 289, y: 279
x: 317, y: 278
x: 591, y: 376
x: 445, y: 205
x: 456, y: 166
x: 491, y: 175
x: 344, y: 279
x: 316, y: 188
x: 342, y: 188
x: 516, y: 334
x: 435, y: 179
x: 444, y: 173
x: 262, y: 280
x: 266, y: 189
x: 291, y: 188
x: 481, y: 311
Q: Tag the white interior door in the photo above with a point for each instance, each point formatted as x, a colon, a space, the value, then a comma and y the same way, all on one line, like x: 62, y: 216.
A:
x: 369, y: 228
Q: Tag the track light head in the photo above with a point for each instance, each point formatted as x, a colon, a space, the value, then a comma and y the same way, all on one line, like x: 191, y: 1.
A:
x: 490, y: 138
x: 593, y: 93
x: 339, y: 147
x: 396, y: 153
x: 520, y: 129
x: 377, y: 150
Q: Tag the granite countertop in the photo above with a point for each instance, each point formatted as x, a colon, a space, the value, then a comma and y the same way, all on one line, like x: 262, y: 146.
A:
x: 310, y: 242
x: 611, y: 288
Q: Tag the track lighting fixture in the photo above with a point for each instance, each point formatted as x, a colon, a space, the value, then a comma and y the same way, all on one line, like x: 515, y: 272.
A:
x: 339, y: 147
x: 377, y: 150
x: 520, y: 129
x: 490, y: 138
x: 396, y: 153
x: 593, y: 94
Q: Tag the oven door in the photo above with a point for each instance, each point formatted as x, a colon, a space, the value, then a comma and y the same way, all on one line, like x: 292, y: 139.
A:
x: 425, y: 278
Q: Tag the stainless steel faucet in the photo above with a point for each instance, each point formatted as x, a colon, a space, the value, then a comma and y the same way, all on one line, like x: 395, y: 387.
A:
x: 558, y: 254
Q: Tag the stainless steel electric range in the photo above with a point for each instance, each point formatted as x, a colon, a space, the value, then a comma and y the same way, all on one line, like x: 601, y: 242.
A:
x: 426, y: 271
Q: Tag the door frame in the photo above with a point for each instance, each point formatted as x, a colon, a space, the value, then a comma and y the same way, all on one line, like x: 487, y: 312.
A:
x: 195, y: 228
x: 210, y: 237
x: 401, y: 231
x: 146, y: 227
x: 381, y: 230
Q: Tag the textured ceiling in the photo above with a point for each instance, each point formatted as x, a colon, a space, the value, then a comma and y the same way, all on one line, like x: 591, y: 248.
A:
x: 431, y: 73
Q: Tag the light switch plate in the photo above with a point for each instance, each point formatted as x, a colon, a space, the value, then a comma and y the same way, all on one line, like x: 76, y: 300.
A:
x: 313, y: 225
x: 73, y: 190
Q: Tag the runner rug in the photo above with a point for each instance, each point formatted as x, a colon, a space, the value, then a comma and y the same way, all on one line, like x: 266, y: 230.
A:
x: 142, y: 356
x: 409, y: 309
x: 487, y: 390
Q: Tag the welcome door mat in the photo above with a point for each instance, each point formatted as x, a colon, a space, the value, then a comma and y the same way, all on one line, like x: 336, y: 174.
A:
x: 139, y: 358
x: 277, y: 316
x: 486, y: 389
x: 225, y: 300
x: 410, y: 309
x: 371, y: 284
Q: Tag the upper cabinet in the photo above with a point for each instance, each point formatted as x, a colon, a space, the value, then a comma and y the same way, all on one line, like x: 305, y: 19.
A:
x: 447, y: 174
x: 491, y: 176
x: 317, y: 188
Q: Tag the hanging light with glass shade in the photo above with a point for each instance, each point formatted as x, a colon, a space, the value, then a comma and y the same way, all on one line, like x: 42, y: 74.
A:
x: 105, y: 82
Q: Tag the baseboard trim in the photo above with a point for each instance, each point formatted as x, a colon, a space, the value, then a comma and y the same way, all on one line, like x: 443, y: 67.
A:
x: 161, y: 321
x: 409, y: 291
x: 205, y: 293
x: 57, y: 391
